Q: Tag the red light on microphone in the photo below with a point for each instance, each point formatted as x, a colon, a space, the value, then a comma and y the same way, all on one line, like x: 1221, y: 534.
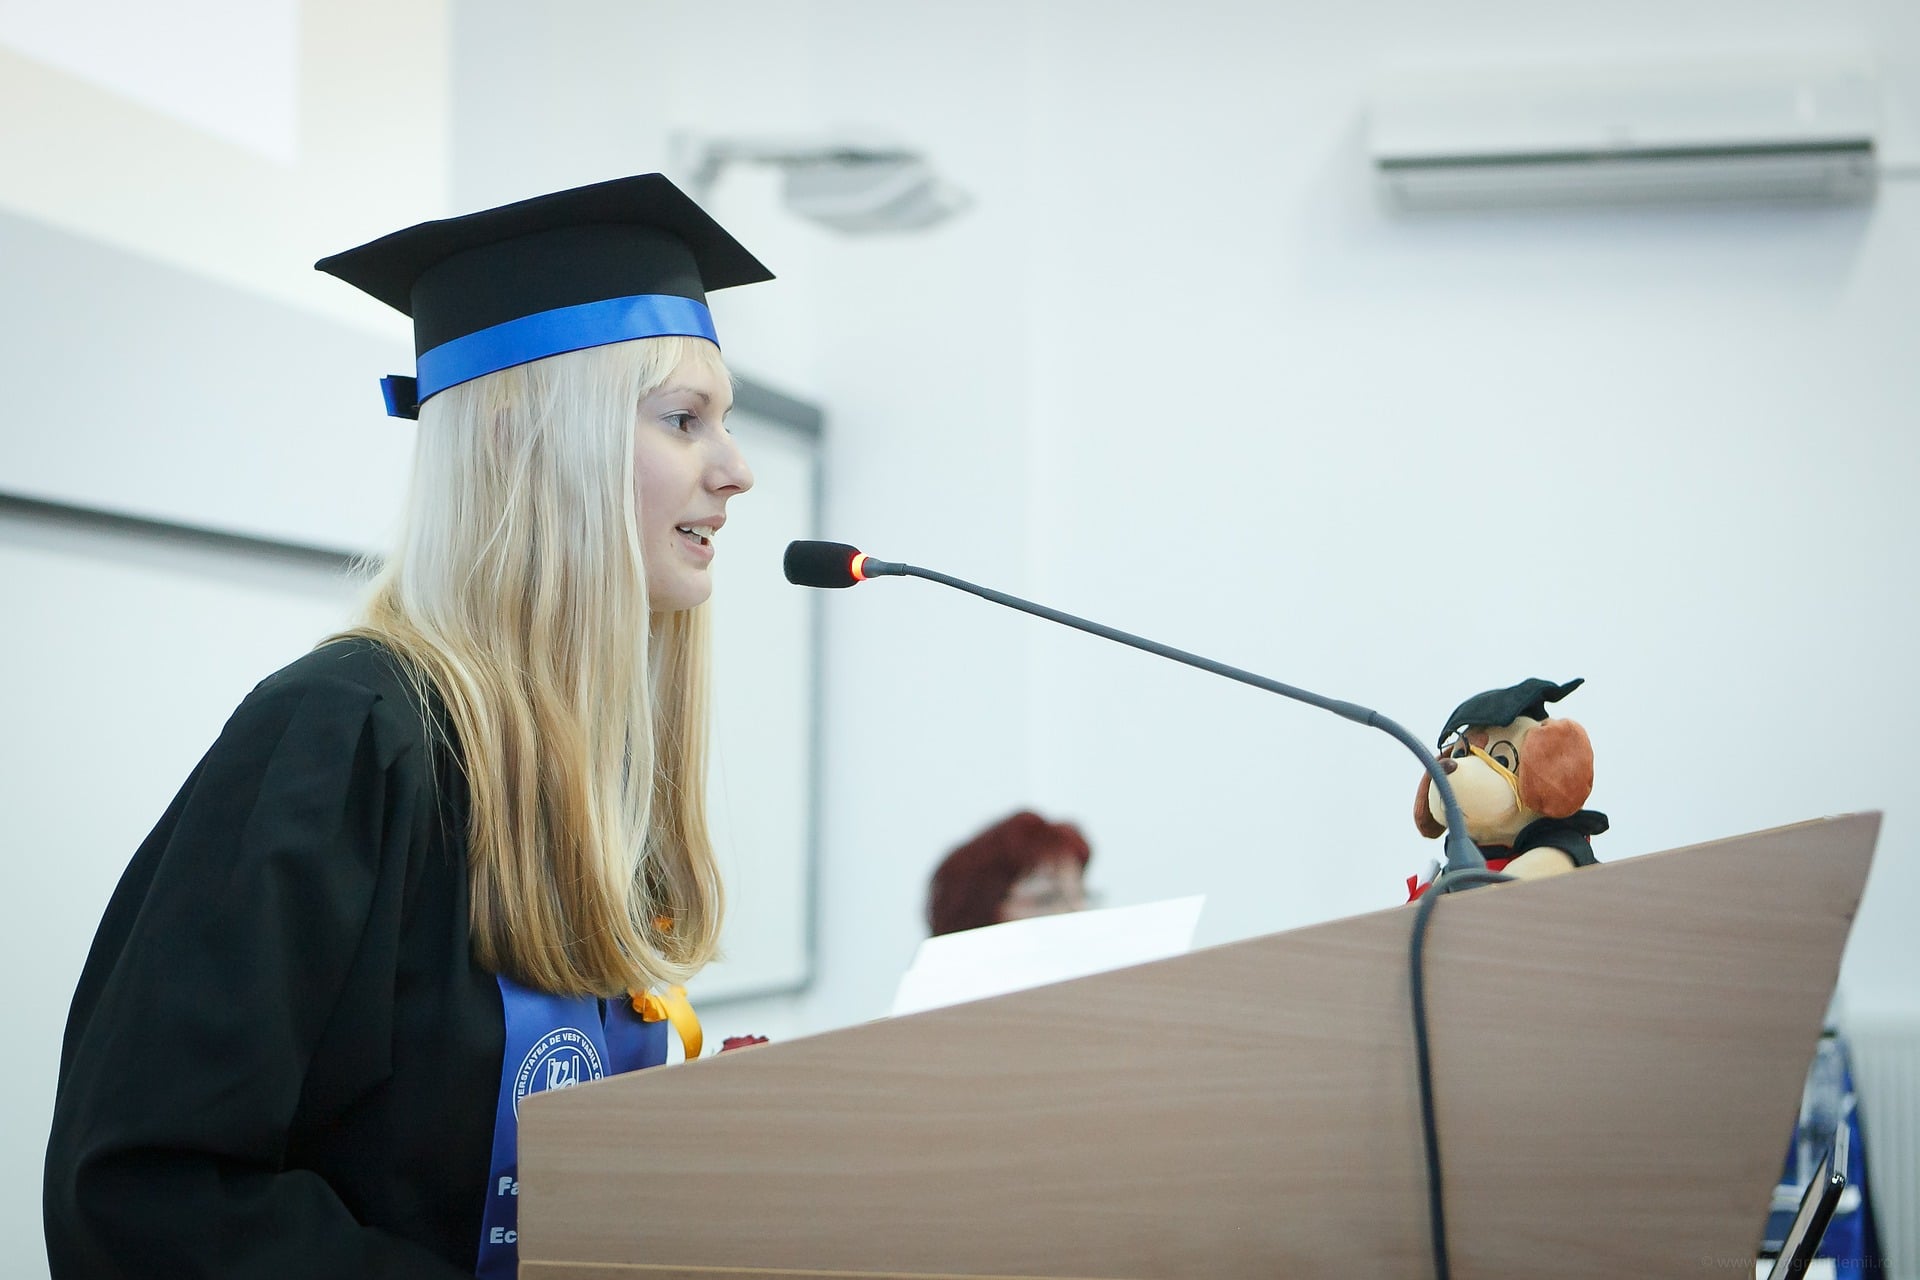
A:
x: 857, y: 567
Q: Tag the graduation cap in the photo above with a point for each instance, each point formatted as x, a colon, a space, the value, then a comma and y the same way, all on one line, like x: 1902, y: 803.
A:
x: 1504, y: 706
x: 630, y: 258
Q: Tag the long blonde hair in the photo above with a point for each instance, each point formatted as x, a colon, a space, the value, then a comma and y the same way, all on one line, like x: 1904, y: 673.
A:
x: 518, y: 596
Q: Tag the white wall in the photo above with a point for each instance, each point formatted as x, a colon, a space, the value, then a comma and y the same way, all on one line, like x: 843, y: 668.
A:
x: 1668, y: 451
x: 1176, y: 371
x: 118, y: 136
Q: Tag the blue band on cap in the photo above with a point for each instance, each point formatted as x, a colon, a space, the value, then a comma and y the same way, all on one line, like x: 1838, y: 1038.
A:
x: 549, y: 333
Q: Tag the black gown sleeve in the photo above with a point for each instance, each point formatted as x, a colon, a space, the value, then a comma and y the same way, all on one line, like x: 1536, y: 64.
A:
x: 230, y: 953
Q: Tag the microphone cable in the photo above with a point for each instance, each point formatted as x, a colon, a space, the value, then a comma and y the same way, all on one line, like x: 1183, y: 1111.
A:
x: 1446, y: 881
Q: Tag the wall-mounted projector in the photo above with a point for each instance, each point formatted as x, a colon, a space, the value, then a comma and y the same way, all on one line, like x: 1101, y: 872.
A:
x: 1627, y: 136
x: 851, y: 184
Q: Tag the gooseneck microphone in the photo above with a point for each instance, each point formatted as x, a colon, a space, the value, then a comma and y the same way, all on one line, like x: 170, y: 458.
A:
x: 835, y: 565
x: 828, y: 564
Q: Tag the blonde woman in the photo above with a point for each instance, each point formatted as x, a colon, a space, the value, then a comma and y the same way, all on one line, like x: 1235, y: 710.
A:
x: 442, y: 861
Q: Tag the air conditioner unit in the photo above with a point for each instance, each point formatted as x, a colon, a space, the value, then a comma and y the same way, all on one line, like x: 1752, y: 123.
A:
x: 1626, y: 136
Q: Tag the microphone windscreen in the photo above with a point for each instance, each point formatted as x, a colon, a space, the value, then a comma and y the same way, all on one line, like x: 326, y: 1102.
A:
x: 820, y: 564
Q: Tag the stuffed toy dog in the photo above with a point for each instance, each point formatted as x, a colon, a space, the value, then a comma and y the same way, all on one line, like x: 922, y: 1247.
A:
x: 1521, y: 779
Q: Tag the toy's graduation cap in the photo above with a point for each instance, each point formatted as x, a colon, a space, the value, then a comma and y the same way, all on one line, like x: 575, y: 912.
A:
x: 631, y: 258
x: 1504, y: 706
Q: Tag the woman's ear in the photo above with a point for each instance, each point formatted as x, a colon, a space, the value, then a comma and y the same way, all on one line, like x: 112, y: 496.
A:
x: 1556, y: 769
x: 1423, y: 816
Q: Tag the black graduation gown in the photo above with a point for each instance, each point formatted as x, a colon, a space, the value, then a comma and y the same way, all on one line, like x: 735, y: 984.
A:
x: 1572, y: 835
x: 281, y: 1060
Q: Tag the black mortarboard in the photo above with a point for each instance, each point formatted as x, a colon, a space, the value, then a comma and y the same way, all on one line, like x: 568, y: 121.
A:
x: 1504, y: 706
x: 631, y: 258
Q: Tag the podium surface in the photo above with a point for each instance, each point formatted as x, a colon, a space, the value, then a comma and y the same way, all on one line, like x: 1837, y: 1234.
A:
x: 1617, y: 1061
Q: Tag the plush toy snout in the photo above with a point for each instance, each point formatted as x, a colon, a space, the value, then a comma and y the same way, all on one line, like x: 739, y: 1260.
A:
x: 1423, y: 818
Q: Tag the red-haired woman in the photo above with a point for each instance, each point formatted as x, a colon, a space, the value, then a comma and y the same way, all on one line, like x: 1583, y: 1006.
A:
x: 1021, y: 866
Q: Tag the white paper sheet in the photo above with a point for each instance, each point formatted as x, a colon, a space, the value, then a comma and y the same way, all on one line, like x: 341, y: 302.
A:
x: 979, y: 963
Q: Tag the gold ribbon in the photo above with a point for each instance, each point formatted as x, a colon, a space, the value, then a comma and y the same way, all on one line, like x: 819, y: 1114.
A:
x: 672, y: 1007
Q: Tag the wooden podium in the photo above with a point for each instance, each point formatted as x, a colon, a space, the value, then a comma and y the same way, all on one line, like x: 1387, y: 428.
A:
x: 1617, y: 1056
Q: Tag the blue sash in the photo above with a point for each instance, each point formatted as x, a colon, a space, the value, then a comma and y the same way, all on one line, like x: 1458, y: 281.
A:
x: 553, y: 1042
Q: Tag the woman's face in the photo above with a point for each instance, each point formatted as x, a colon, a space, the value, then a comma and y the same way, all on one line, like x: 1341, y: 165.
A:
x: 1050, y: 889
x: 685, y: 468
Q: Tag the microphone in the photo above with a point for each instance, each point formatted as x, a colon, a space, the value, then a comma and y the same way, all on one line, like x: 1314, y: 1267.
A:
x: 833, y: 564
x: 837, y: 565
